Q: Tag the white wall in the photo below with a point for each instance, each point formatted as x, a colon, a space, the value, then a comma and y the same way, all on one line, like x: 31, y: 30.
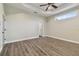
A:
x: 1, y: 26
x: 23, y: 25
x: 67, y: 29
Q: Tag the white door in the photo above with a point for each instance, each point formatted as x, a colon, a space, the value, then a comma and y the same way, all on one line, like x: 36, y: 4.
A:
x: 1, y: 26
x: 40, y: 29
x: 1, y: 31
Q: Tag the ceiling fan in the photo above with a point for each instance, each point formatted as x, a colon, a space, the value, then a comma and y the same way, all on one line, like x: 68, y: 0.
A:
x: 48, y: 5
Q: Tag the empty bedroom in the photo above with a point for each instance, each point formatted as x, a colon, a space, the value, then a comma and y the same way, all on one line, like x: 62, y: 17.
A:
x: 39, y: 29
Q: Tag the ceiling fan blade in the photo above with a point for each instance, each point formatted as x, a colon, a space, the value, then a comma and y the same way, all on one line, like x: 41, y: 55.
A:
x: 47, y: 7
x: 43, y: 5
x: 54, y: 6
x: 50, y: 3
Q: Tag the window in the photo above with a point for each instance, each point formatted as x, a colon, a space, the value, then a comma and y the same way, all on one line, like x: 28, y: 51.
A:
x: 66, y: 16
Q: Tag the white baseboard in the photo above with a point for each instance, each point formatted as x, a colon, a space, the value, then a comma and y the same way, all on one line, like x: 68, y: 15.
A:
x: 44, y: 36
x: 63, y: 39
x: 20, y: 39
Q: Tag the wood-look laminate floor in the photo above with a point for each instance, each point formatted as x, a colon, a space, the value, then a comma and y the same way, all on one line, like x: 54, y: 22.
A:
x: 44, y: 46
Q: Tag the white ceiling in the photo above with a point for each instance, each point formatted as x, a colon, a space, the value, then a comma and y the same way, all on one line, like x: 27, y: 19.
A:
x: 35, y: 8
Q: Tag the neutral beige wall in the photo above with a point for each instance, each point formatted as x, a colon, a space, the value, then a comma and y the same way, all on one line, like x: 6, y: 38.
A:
x: 67, y: 29
x: 1, y: 26
x: 22, y: 25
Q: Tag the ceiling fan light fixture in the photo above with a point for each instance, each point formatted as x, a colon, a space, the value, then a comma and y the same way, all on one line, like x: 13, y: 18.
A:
x: 49, y: 5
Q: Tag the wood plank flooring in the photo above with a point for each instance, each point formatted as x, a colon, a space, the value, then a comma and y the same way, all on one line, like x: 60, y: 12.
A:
x: 44, y: 46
